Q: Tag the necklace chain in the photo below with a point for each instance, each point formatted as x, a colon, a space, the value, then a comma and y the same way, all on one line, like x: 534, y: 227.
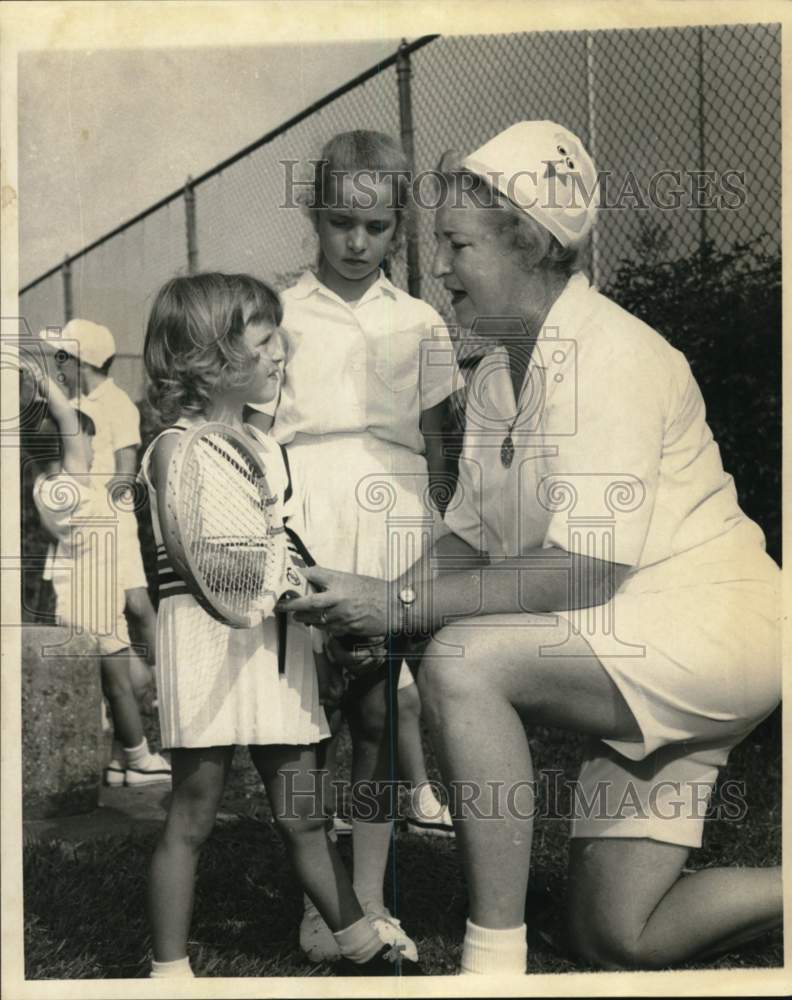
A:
x: 507, y: 446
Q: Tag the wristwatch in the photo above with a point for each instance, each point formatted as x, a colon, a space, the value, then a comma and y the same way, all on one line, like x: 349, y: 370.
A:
x: 407, y: 598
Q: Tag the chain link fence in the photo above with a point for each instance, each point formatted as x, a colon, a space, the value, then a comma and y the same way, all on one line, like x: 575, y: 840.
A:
x: 657, y: 108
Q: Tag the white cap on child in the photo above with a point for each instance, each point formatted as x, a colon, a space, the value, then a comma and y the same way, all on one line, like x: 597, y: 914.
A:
x: 84, y: 340
x: 543, y: 169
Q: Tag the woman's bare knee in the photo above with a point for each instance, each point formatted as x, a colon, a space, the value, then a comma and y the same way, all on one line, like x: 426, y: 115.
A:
x: 594, y: 943
x: 445, y: 677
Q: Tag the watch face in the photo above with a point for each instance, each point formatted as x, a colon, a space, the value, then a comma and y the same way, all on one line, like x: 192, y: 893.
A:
x: 407, y: 595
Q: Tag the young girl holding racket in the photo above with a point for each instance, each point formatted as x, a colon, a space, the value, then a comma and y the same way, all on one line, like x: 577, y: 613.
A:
x: 213, y: 344
x: 369, y: 368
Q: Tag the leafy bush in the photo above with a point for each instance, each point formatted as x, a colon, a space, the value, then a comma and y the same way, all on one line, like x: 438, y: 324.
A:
x: 722, y: 309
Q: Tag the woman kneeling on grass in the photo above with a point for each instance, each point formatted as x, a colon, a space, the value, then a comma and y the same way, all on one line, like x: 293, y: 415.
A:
x: 599, y: 576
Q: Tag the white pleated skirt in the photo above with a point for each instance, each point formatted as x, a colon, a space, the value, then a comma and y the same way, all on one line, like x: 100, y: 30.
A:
x: 364, y: 502
x: 220, y: 686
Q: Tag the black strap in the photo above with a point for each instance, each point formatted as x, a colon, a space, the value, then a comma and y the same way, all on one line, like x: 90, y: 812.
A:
x: 299, y: 545
x: 287, y: 493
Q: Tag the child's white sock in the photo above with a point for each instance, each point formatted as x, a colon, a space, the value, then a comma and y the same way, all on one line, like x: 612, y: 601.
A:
x: 370, y: 846
x: 425, y: 803
x: 136, y: 755
x: 359, y: 942
x: 179, y: 968
x: 488, y: 950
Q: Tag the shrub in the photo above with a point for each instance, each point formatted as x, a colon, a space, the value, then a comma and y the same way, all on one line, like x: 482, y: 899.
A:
x: 722, y: 309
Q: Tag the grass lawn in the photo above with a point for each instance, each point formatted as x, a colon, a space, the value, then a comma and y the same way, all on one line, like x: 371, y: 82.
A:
x: 84, y: 903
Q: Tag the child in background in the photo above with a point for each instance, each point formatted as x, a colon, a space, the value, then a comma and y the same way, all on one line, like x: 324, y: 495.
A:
x: 213, y: 344
x: 73, y: 507
x: 363, y: 402
x: 85, y: 355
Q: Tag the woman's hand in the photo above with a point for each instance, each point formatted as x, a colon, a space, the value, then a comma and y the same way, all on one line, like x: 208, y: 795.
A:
x: 359, y: 605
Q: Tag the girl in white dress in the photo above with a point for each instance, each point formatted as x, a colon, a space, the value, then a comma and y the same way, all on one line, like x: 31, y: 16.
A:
x: 369, y: 369
x: 212, y: 344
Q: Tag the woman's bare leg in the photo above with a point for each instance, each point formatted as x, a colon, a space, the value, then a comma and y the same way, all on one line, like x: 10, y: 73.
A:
x: 474, y: 706
x: 630, y: 906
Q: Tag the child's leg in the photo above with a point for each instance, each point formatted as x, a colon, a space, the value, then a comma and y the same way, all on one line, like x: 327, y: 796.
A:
x: 425, y: 813
x: 199, y: 777
x: 372, y: 722
x: 631, y: 906
x: 296, y: 796
x: 412, y: 765
x: 139, y: 608
x: 117, y: 688
x: 296, y: 793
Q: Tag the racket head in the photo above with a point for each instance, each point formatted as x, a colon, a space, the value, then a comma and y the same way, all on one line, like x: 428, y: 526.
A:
x: 224, y: 535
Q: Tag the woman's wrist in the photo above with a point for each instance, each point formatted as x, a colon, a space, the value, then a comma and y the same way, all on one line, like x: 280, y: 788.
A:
x: 407, y: 607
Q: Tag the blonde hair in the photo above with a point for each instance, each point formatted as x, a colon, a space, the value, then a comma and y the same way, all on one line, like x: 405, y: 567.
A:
x: 374, y: 154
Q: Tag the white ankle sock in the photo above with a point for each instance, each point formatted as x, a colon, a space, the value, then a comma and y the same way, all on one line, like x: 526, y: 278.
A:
x: 370, y: 846
x: 180, y: 968
x: 425, y: 803
x: 135, y: 755
x: 488, y: 950
x: 359, y: 942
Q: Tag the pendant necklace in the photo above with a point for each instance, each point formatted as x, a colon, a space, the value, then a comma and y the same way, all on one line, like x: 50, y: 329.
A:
x: 507, y: 447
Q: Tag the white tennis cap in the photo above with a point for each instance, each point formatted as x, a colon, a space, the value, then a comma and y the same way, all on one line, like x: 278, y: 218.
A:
x: 544, y: 170
x: 87, y: 341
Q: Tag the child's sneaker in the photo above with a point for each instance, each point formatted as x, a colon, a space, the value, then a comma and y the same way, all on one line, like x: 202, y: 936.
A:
x: 390, y: 930
x: 114, y: 773
x: 149, y: 771
x: 316, y: 938
x: 390, y: 961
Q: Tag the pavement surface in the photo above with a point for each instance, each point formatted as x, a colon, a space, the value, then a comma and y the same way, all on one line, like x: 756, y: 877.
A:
x: 121, y: 810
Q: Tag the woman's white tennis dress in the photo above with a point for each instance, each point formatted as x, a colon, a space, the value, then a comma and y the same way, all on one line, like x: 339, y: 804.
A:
x: 220, y: 686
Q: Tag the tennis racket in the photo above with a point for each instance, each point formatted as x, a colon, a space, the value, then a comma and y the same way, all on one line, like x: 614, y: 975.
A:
x: 223, y: 528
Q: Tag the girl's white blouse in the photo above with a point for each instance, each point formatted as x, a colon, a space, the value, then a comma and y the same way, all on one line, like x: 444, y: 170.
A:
x: 366, y: 367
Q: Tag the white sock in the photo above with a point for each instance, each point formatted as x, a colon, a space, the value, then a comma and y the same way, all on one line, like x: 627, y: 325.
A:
x: 370, y: 846
x: 136, y: 755
x: 359, y: 942
x: 487, y: 950
x: 424, y: 802
x: 179, y: 968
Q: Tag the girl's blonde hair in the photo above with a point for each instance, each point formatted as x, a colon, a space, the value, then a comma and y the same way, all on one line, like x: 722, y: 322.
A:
x: 374, y: 156
x: 194, y: 339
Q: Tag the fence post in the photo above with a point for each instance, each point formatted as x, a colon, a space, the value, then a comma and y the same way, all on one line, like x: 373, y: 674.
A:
x: 68, y: 302
x: 192, y: 234
x: 403, y: 75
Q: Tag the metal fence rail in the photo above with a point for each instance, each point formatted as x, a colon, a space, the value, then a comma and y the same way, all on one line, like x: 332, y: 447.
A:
x: 684, y: 101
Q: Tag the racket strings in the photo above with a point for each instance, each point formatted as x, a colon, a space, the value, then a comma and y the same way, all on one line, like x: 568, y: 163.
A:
x: 229, y: 521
